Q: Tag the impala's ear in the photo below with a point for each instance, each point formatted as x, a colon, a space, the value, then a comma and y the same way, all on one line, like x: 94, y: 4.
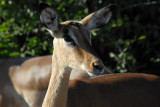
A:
x: 99, y: 18
x: 49, y: 18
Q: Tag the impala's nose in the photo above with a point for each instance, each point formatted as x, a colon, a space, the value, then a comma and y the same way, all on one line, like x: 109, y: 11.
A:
x: 97, y: 66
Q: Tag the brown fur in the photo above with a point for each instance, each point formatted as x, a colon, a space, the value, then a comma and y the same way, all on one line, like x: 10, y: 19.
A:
x: 115, y: 90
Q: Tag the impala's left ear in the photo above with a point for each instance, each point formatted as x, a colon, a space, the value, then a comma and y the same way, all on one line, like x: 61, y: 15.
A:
x: 99, y: 18
x: 49, y: 18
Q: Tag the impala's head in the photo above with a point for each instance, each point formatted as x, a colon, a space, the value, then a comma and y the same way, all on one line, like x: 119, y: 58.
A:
x: 72, y: 39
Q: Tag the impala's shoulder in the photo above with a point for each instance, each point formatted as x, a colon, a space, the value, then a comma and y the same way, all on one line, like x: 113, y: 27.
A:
x: 125, y: 76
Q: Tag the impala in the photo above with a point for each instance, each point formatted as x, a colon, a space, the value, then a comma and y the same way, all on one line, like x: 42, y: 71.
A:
x: 72, y: 49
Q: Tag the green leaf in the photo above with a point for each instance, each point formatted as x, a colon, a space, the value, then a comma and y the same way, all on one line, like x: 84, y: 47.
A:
x: 142, y: 37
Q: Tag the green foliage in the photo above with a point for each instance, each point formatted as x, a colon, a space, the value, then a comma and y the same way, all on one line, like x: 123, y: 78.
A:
x: 20, y: 30
x: 130, y: 41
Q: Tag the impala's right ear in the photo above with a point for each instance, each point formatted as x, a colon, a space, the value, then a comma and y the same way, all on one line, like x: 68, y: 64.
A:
x: 99, y: 18
x: 49, y: 18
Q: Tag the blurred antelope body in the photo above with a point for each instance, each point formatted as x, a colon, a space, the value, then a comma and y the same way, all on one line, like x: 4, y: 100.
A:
x: 72, y: 49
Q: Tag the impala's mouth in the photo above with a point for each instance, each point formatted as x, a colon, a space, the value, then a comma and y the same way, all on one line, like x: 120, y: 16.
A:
x: 96, y: 73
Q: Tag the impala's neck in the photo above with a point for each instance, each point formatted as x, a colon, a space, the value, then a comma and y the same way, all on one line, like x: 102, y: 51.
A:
x: 56, y: 95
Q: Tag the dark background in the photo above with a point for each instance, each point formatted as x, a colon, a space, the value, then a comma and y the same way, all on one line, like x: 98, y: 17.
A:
x: 130, y: 42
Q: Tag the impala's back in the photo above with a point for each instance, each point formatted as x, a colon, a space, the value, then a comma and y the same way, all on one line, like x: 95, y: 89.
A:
x: 115, y: 90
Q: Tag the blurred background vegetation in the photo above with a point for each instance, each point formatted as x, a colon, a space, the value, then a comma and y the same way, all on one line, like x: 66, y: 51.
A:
x: 130, y: 42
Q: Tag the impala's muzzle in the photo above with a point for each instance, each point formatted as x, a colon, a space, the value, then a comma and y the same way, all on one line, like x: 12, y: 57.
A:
x: 97, y: 68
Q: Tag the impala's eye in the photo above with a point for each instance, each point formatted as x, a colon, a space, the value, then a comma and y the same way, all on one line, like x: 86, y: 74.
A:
x: 68, y: 39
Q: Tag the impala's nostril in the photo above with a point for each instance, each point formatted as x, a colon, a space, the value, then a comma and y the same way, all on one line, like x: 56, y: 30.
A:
x: 97, y: 66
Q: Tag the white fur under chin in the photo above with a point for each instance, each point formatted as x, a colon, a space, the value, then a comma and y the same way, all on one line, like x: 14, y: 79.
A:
x: 91, y: 74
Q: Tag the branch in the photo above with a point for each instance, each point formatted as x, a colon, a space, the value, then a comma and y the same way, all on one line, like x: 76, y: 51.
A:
x: 142, y: 4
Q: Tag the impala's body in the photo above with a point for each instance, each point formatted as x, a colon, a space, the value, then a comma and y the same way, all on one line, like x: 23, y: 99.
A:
x: 72, y: 49
x: 115, y: 90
